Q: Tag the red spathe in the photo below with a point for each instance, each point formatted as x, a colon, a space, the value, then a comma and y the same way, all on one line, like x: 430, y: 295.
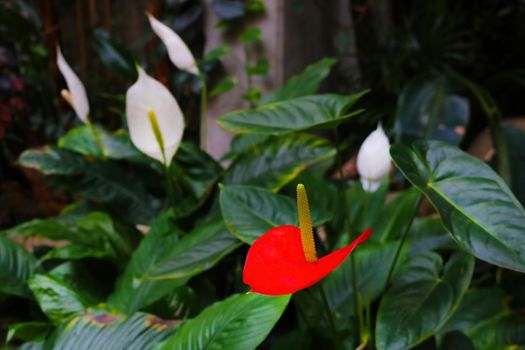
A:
x: 276, y: 265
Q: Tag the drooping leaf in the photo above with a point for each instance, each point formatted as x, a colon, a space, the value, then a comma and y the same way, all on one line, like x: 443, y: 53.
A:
x: 16, y: 266
x: 251, y: 211
x: 303, y: 84
x: 56, y: 299
x: 484, y: 316
x: 100, y: 329
x: 476, y: 206
x: 163, y: 262
x: 302, y: 113
x: 51, y: 160
x: 113, y: 54
x: 240, y: 322
x: 277, y: 161
x: 428, y: 110
x: 423, y: 296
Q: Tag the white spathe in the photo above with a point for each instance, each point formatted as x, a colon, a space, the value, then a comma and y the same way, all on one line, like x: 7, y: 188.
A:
x: 373, y: 159
x: 75, y: 88
x: 148, y: 94
x: 179, y: 54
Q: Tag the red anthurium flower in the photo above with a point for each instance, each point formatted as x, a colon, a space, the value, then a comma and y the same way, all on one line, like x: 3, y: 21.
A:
x: 284, y: 261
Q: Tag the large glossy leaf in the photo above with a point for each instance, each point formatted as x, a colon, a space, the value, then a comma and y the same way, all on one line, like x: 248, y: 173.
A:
x: 251, y: 211
x: 423, y: 296
x: 56, y: 298
x: 240, y: 322
x: 475, y: 204
x: 485, y: 317
x: 397, y: 215
x: 16, y: 266
x: 303, y: 113
x: 100, y: 329
x: 51, y: 160
x: 113, y: 54
x: 277, y: 161
x: 163, y: 262
x: 427, y: 110
x: 303, y: 84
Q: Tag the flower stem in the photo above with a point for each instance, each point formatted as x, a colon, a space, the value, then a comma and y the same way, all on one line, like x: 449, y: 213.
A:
x: 96, y: 137
x: 330, y: 318
x: 169, y: 186
x: 339, y: 160
x: 204, y: 113
x: 401, y: 243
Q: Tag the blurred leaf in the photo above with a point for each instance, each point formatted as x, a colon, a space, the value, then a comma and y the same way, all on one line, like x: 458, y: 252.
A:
x: 426, y: 110
x: 241, y: 322
x: 251, y: 34
x: 251, y: 211
x: 28, y: 331
x: 423, y: 296
x: 305, y: 83
x: 457, y: 341
x: 162, y: 262
x: 277, y: 161
x: 223, y: 86
x: 516, y: 145
x: 113, y: 54
x: 16, y: 266
x: 99, y: 329
x: 228, y: 9
x: 252, y: 95
x: 484, y: 316
x: 260, y: 67
x: 397, y: 215
x: 475, y: 204
x: 254, y: 6
x: 303, y: 113
x: 217, y: 53
x: 50, y: 160
x: 242, y: 142
x: 56, y: 299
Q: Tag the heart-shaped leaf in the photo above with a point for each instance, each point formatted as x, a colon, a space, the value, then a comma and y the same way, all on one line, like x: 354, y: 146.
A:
x: 475, y: 204
x: 423, y: 296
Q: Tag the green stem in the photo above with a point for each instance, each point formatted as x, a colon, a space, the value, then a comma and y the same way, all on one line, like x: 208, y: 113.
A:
x: 339, y: 160
x: 169, y: 186
x: 330, y: 318
x: 96, y: 137
x: 204, y: 113
x: 401, y: 243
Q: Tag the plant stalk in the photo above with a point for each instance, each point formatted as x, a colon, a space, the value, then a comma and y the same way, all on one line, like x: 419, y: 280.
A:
x: 401, y: 243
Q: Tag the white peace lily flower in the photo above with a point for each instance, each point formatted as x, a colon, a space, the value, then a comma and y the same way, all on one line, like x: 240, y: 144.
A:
x: 75, y: 94
x: 179, y: 54
x: 373, y: 159
x: 155, y: 120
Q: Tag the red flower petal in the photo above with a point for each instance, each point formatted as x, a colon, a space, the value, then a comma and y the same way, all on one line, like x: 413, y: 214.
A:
x: 276, y: 265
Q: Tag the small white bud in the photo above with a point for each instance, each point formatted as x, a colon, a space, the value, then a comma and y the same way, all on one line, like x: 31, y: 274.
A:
x: 373, y: 159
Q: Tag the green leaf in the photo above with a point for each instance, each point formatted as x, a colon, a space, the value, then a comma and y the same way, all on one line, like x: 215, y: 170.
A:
x: 113, y: 54
x: 260, y: 67
x: 28, y: 331
x: 116, y: 145
x: 421, y: 299
x: 476, y: 206
x: 457, y: 341
x: 485, y: 317
x: 428, y: 233
x: 51, y: 160
x: 397, y: 215
x: 251, y: 34
x: 370, y: 277
x: 427, y: 110
x: 303, y: 84
x: 252, y: 95
x: 515, y: 138
x: 302, y: 113
x: 16, y: 266
x: 163, y: 262
x: 223, y: 86
x: 277, y: 161
x: 216, y: 53
x: 251, y: 211
x: 99, y: 329
x: 57, y: 299
x: 240, y: 322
